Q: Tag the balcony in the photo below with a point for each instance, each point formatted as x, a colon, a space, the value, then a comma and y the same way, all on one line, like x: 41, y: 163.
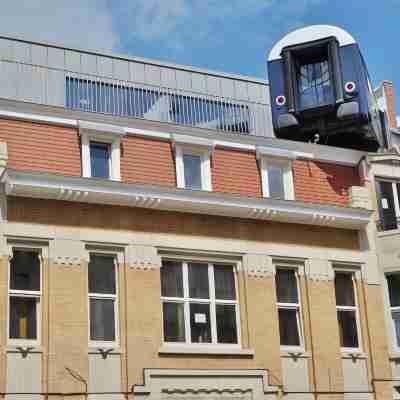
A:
x: 133, y: 88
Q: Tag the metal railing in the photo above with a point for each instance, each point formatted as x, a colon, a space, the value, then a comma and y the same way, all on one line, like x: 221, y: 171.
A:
x: 98, y: 94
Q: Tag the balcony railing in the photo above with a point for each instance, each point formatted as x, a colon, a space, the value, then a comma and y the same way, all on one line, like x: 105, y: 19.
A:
x: 98, y: 94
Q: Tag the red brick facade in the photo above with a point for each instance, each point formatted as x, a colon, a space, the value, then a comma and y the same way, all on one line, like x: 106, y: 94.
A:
x: 42, y: 147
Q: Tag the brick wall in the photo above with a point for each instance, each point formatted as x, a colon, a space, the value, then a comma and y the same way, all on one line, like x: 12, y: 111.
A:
x: 318, y: 182
x: 41, y: 147
x: 390, y: 95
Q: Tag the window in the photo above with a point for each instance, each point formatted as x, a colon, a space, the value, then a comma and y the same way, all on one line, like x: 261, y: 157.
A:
x: 347, y: 310
x: 101, y: 150
x: 193, y: 162
x: 103, y: 306
x: 393, y: 281
x: 277, y: 178
x: 100, y: 160
x: 24, y: 296
x: 199, y: 302
x: 389, y: 204
x: 287, y: 294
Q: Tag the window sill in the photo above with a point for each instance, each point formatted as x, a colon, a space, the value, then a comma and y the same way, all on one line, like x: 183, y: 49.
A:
x: 205, y: 350
x: 354, y: 354
x: 295, y: 353
x: 24, y: 348
x: 104, y: 349
x: 390, y: 232
x: 395, y: 356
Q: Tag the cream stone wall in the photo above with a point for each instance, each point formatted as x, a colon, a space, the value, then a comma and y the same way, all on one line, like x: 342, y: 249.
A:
x: 140, y: 238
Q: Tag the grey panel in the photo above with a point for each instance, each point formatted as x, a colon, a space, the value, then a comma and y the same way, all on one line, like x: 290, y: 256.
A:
x: 255, y: 92
x: 265, y: 94
x: 89, y: 64
x: 199, y: 82
x: 39, y: 55
x: 26, y: 83
x: 241, y: 90
x: 121, y: 70
x: 24, y: 375
x: 56, y: 58
x: 72, y: 61
x: 105, y: 375
x: 168, y: 77
x: 227, y: 87
x: 183, y: 80
x: 55, y: 94
x: 355, y: 374
x: 105, y: 66
x: 213, y: 85
x: 295, y: 374
x: 9, y: 76
x: 136, y: 72
x: 152, y: 74
x: 22, y: 52
x: 6, y: 49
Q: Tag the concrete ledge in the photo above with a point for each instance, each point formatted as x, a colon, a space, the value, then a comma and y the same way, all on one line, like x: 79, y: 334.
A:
x: 205, y: 350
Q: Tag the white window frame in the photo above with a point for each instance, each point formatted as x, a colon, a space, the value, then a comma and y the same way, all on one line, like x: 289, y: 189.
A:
x: 293, y: 306
x: 101, y: 133
x: 33, y: 294
x: 392, y: 309
x: 114, y: 297
x: 186, y: 301
x: 395, y: 193
x: 287, y: 173
x: 354, y: 273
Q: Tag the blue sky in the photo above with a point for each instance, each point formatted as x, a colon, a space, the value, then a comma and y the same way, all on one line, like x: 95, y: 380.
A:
x: 233, y: 36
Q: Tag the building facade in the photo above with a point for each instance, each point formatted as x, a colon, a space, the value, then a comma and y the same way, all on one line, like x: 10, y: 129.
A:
x: 157, y: 241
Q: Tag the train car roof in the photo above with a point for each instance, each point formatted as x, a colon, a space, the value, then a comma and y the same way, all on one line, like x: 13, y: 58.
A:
x: 308, y: 34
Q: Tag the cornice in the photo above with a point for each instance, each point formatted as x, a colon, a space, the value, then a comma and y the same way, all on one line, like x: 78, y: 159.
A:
x: 87, y: 190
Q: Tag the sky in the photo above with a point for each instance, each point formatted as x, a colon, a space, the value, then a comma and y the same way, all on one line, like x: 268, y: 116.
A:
x: 224, y: 35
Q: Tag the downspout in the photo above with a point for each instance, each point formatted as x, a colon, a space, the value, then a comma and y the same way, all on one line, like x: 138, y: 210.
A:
x: 126, y: 325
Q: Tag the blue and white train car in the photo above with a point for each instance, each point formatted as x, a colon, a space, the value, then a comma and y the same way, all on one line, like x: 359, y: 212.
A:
x: 321, y: 91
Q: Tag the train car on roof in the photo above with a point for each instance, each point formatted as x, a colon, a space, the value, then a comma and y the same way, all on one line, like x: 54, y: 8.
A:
x: 321, y: 91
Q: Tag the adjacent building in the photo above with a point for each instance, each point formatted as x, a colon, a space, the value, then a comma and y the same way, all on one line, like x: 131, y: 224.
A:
x: 159, y: 242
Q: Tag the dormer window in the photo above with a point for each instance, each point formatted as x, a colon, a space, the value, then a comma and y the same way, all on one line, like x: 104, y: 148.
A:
x: 100, y: 160
x: 101, y: 154
x: 193, y: 162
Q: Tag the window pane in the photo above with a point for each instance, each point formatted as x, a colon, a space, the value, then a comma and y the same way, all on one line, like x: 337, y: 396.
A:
x: 200, y: 323
x: 102, y: 320
x: 198, y: 281
x: 174, y: 322
x: 347, y: 328
x: 344, y: 289
x: 224, y: 278
x: 102, y: 274
x: 286, y: 286
x: 192, y: 171
x: 386, y: 207
x: 171, y: 279
x: 288, y: 327
x: 396, y: 321
x: 275, y: 182
x: 394, y: 289
x: 23, y: 318
x: 25, y: 270
x: 226, y: 324
x: 100, y: 160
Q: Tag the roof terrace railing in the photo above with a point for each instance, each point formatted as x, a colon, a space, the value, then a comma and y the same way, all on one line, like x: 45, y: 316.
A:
x: 122, y: 98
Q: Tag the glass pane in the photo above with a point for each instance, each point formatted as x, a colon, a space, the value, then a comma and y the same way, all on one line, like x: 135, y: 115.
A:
x: 192, y: 168
x: 288, y: 327
x: 226, y: 324
x: 198, y: 281
x: 100, y: 160
x: 171, y: 279
x: 275, y: 182
x: 286, y: 286
x: 200, y: 323
x: 102, y: 274
x: 386, y: 207
x: 224, y: 278
x: 102, y: 320
x: 174, y: 322
x: 347, y: 328
x: 394, y: 289
x: 25, y: 270
x: 23, y: 318
x: 396, y: 321
x: 344, y: 289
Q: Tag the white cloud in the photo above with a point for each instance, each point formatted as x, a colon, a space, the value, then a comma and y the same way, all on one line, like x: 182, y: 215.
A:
x: 75, y: 23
